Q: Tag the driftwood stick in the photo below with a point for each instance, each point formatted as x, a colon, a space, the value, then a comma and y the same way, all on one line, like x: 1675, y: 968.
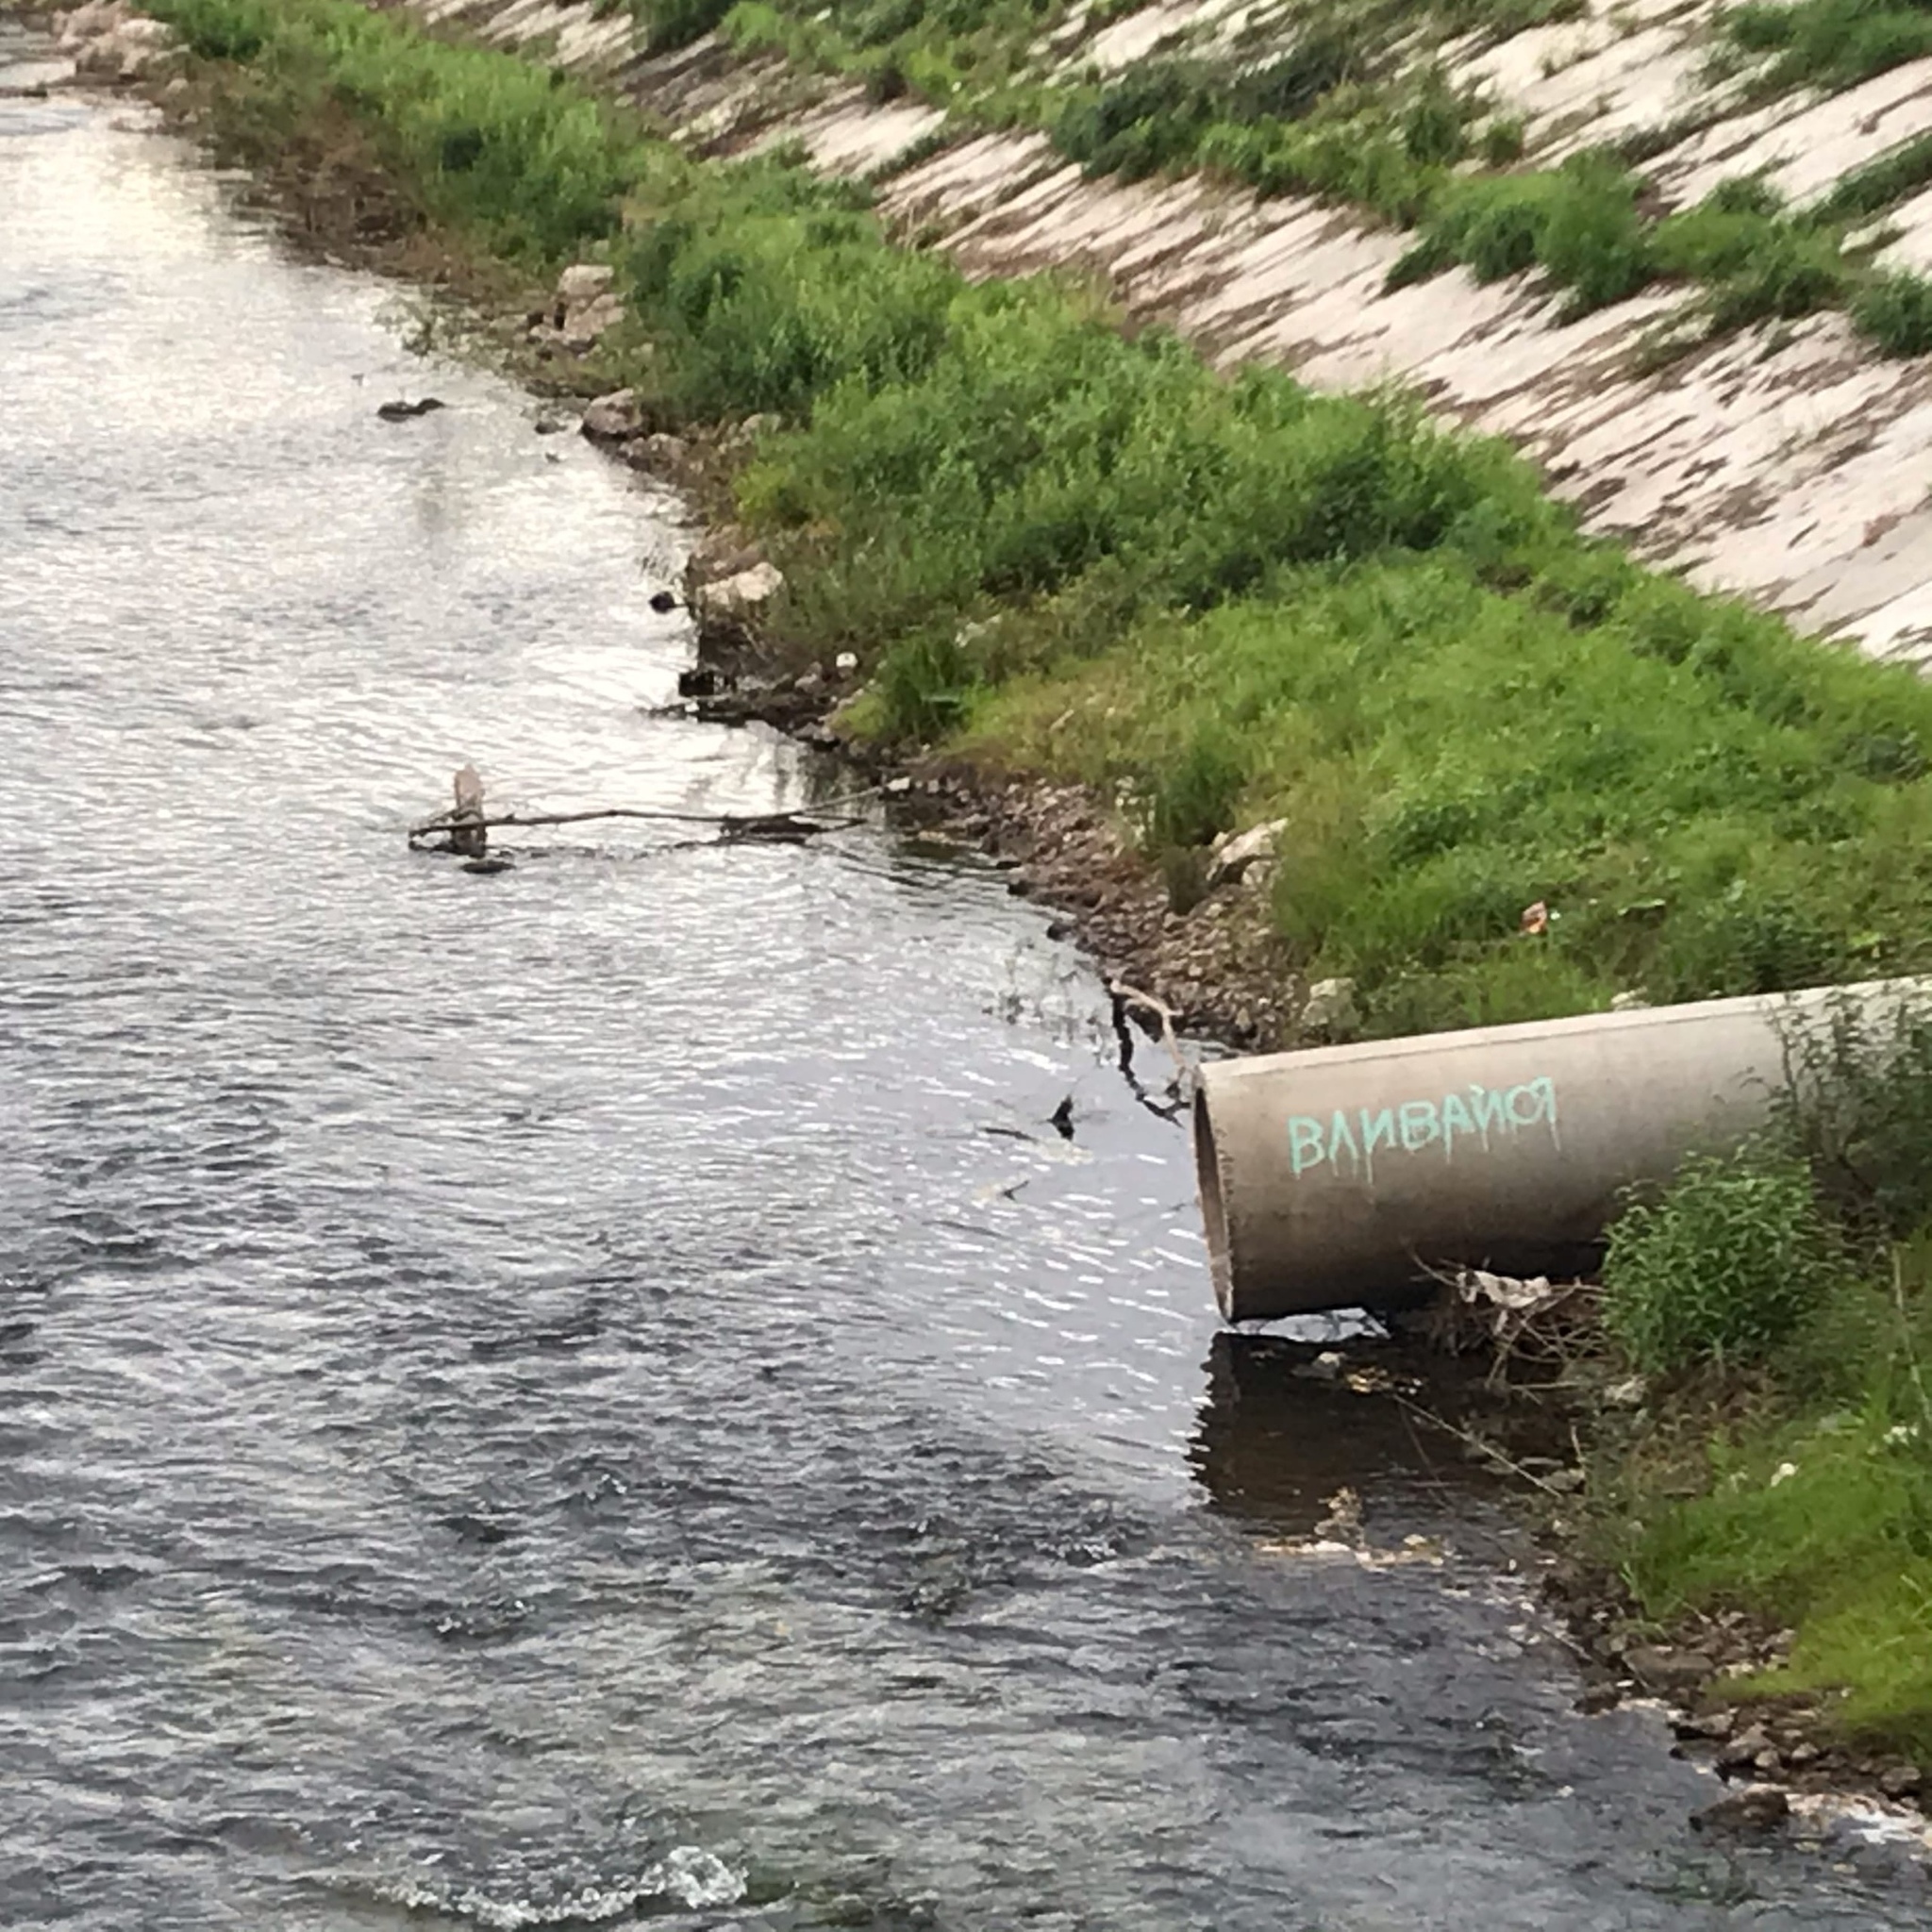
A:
x: 1124, y: 996
x: 732, y: 825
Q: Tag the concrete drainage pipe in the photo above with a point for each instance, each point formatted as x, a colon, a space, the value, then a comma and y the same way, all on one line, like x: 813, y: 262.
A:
x: 1335, y: 1177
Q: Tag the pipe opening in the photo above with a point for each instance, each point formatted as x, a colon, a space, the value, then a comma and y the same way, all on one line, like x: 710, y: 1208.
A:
x: 1213, y: 1213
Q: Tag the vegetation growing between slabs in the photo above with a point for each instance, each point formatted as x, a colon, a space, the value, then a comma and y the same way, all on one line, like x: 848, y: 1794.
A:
x: 1339, y: 99
x: 1069, y: 552
x: 1831, y: 44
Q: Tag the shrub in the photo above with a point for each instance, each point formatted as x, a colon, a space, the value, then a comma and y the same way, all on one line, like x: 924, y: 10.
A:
x: 1895, y: 311
x: 673, y: 24
x: 1829, y: 44
x: 1861, y: 1113
x: 1868, y: 190
x: 1501, y: 141
x: 1578, y: 222
x: 1723, y: 1268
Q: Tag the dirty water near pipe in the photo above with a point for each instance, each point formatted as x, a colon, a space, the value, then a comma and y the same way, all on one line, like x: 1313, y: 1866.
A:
x: 595, y: 1393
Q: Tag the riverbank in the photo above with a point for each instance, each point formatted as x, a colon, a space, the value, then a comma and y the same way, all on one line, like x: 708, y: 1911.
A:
x: 1376, y: 642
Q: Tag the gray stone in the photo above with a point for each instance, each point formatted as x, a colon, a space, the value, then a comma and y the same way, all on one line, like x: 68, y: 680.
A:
x: 1711, y: 1726
x: 581, y: 327
x: 124, y: 51
x: 742, y: 595
x: 1670, y: 1673
x: 1330, y: 1011
x: 613, y: 417
x: 584, y: 281
x: 1232, y: 857
x: 659, y: 453
x: 1746, y: 1748
x: 1758, y: 1807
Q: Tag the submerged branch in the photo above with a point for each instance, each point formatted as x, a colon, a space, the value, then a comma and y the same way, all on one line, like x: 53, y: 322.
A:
x: 773, y: 825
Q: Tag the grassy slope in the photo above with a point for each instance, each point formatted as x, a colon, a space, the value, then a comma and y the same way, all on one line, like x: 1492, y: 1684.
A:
x: 1077, y: 553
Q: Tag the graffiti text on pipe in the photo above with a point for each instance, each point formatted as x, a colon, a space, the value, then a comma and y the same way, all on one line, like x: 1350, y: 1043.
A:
x: 1355, y: 1135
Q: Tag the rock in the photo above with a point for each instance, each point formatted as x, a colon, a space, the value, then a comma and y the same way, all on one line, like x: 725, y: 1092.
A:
x: 402, y: 412
x: 1628, y: 1003
x: 1744, y: 1749
x: 721, y: 551
x: 846, y: 663
x: 1900, y: 1780
x: 1628, y: 1394
x: 614, y: 417
x: 1669, y: 1672
x: 658, y: 453
x: 584, y: 281
x: 581, y: 327
x: 1329, y: 1011
x: 741, y: 436
x: 1231, y: 858
x: 663, y: 602
x: 125, y: 49
x: 1758, y: 1807
x: 742, y: 595
x: 586, y: 306
x: 1713, y: 1727
x: 88, y: 22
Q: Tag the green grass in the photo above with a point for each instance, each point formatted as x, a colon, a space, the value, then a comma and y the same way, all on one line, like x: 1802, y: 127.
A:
x: 494, y: 149
x: 1840, y: 1551
x: 1780, y: 1301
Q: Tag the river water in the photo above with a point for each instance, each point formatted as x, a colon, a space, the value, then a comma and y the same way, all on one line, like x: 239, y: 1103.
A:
x: 596, y: 1393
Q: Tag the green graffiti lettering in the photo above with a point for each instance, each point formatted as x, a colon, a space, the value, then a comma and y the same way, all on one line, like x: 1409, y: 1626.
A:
x: 1340, y: 1136
x: 1418, y: 1124
x: 1527, y: 1092
x: 1456, y: 1120
x: 1304, y: 1142
x: 1489, y: 1110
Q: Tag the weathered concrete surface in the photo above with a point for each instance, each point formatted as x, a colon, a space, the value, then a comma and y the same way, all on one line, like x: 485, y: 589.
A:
x: 1789, y: 465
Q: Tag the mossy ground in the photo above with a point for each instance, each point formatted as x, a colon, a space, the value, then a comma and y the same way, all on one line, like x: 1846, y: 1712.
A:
x: 1067, y: 551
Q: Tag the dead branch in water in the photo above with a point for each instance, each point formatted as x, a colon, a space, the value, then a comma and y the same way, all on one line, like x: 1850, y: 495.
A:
x: 729, y: 826
x: 1124, y: 996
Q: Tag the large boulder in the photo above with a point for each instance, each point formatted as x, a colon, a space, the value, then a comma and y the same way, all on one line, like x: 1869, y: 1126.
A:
x: 1232, y: 857
x: 584, y: 281
x: 90, y: 22
x: 585, y: 305
x: 109, y: 43
x: 741, y: 597
x: 614, y: 417
x: 1330, y: 1013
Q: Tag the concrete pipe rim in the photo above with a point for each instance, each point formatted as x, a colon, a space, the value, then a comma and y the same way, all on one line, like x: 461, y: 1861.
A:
x: 1213, y: 1211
